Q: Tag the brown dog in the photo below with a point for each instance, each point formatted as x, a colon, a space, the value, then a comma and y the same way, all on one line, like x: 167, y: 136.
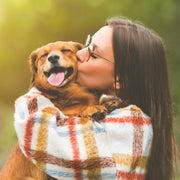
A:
x: 54, y: 69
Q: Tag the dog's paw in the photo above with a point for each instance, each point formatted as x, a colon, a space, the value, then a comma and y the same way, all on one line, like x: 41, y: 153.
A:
x: 111, y: 102
x: 107, y: 103
x: 96, y: 112
x: 100, y: 114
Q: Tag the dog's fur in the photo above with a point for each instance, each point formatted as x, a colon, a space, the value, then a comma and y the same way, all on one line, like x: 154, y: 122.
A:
x: 68, y: 96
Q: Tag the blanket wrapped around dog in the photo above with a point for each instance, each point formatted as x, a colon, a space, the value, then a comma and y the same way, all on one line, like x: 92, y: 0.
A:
x: 75, y: 148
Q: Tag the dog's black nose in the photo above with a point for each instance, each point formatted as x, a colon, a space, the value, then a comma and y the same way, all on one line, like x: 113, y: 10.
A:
x: 53, y: 58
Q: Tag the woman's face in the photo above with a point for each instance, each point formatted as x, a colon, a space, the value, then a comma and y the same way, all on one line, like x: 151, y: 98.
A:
x: 97, y: 73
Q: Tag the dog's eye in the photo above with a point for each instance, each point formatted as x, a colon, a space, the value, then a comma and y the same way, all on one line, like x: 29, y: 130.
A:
x: 65, y: 50
x: 44, y: 55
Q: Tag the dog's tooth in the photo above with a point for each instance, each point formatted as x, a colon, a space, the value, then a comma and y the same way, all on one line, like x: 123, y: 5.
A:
x: 65, y: 72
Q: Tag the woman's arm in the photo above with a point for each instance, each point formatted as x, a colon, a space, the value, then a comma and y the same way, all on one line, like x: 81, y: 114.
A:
x: 62, y: 146
x: 70, y: 147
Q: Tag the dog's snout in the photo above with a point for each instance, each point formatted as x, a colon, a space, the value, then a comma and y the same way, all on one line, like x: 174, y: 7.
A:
x: 53, y: 58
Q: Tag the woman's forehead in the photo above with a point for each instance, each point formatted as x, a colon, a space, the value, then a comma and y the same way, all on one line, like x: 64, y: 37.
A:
x: 102, y: 39
x: 104, y: 33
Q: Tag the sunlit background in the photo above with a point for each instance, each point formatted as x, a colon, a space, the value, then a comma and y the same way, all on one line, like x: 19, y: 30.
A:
x: 28, y: 24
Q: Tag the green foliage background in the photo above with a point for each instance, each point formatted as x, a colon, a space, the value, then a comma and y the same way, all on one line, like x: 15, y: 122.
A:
x: 28, y: 24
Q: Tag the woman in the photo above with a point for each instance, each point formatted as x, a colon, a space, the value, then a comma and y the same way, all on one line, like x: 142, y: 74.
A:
x: 127, y: 60
x: 138, y: 71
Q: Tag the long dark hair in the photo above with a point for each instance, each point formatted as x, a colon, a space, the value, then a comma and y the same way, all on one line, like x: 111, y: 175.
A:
x: 141, y: 68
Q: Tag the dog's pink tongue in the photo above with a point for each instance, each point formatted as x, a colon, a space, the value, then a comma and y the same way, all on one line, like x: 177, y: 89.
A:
x: 55, y: 79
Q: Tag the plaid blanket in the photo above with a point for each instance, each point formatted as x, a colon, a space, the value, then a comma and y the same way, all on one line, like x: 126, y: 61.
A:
x: 80, y: 148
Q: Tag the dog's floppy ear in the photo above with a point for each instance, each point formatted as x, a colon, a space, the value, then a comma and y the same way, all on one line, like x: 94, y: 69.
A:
x: 32, y: 61
x: 78, y: 45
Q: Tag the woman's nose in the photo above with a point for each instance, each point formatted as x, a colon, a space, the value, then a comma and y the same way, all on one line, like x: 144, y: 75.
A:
x: 82, y: 55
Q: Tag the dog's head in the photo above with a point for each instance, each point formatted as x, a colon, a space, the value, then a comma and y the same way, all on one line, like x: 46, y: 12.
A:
x: 55, y: 64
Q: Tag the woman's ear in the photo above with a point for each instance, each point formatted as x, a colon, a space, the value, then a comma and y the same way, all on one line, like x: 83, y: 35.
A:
x: 117, y: 83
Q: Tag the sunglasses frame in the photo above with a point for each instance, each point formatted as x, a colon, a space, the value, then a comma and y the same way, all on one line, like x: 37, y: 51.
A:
x: 90, y: 50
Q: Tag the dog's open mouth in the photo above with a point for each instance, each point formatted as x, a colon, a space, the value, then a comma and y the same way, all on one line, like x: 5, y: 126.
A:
x: 57, y: 75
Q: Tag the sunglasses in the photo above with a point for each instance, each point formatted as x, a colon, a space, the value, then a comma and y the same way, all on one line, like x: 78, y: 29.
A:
x: 91, y: 53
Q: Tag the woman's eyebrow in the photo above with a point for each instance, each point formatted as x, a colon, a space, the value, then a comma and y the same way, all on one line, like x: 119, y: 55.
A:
x: 95, y: 46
